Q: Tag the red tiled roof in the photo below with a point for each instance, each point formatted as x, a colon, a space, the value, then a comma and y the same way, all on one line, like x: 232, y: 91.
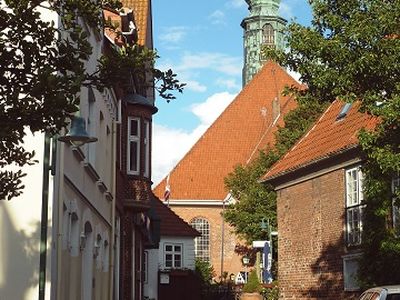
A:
x: 171, y: 224
x: 245, y: 127
x: 326, y: 138
x: 142, y: 14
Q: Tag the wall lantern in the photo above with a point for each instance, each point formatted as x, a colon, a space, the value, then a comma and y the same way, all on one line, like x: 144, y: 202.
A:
x: 245, y: 260
x: 77, y: 134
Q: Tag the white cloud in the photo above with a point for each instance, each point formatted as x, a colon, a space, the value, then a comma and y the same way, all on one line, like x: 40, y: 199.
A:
x: 173, y: 34
x: 228, y: 83
x: 170, y: 145
x: 217, y: 17
x: 209, y: 110
x: 220, y: 62
x: 194, y: 85
x: 236, y: 3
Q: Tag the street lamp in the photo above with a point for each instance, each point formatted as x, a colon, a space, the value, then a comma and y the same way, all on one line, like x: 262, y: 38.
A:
x: 77, y: 135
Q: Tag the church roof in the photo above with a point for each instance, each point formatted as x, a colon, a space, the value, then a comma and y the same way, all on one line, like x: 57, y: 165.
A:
x: 246, y: 126
x: 171, y: 224
x: 334, y: 133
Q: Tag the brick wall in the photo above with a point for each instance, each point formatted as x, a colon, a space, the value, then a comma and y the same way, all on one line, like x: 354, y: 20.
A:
x: 231, y: 261
x: 311, y: 242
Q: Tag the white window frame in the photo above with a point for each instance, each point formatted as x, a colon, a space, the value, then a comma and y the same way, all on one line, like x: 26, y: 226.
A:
x: 133, y: 138
x: 174, y: 253
x: 146, y: 141
x: 395, y: 208
x: 202, y: 243
x: 350, y: 282
x: 354, y: 205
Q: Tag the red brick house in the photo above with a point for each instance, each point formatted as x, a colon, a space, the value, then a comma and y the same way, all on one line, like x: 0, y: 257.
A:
x: 136, y: 224
x: 198, y: 193
x: 319, y: 190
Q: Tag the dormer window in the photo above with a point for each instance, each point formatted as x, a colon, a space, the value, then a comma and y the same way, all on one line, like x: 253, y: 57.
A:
x: 343, y: 113
x: 133, y: 157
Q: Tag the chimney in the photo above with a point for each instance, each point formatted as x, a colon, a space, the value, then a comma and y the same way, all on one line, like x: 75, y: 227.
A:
x: 276, y: 110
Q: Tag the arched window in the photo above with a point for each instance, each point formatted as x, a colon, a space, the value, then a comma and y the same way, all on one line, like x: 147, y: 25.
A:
x: 74, y: 235
x: 268, y: 35
x: 202, y: 243
x: 98, y: 251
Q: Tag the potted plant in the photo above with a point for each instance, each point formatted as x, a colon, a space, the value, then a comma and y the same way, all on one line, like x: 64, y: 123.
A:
x: 251, y: 289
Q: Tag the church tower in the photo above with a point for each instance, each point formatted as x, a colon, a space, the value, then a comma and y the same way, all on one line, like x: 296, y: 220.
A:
x: 263, y: 27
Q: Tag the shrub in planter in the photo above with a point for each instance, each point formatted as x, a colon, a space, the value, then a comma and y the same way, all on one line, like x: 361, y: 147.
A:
x: 252, y: 288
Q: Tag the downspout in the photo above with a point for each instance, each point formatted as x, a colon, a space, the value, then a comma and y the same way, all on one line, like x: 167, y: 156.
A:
x: 222, y: 239
x: 59, y: 202
x: 114, y: 194
x: 44, y: 217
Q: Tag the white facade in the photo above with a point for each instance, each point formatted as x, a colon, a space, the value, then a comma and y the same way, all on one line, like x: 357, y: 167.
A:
x: 156, y: 260
x: 151, y: 275
x: 84, y: 199
x: 187, y: 243
x: 20, y: 233
x: 81, y: 211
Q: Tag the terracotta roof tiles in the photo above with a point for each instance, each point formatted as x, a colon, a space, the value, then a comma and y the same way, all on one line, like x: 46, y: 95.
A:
x: 245, y: 127
x: 171, y: 224
x: 328, y: 136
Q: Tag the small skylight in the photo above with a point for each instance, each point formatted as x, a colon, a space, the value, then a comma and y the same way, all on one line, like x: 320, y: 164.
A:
x: 343, y: 112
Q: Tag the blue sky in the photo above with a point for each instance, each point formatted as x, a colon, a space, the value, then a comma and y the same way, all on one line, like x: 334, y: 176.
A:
x: 202, y: 42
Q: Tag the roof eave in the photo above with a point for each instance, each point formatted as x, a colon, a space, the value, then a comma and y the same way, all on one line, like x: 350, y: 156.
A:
x: 276, y: 177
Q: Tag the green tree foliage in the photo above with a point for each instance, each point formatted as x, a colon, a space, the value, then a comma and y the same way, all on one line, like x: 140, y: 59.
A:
x: 204, y: 271
x: 42, y: 69
x: 352, y: 52
x: 255, y: 201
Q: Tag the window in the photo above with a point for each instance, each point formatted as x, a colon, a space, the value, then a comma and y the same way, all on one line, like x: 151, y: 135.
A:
x: 146, y: 141
x: 133, y: 154
x: 354, y: 206
x: 268, y: 35
x: 202, y: 243
x: 173, y: 255
x: 396, y: 205
x: 350, y: 269
x: 74, y: 235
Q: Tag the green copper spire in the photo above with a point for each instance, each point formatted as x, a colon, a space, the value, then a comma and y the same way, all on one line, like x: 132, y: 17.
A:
x: 262, y: 27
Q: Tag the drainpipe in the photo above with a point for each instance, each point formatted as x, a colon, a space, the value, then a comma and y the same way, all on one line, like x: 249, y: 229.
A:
x: 44, y: 217
x: 58, y: 206
x: 114, y: 194
x: 222, y: 238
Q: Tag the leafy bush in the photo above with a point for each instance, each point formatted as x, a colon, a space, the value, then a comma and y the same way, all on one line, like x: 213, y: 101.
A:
x: 252, y: 285
x: 271, y: 293
x: 204, y: 271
